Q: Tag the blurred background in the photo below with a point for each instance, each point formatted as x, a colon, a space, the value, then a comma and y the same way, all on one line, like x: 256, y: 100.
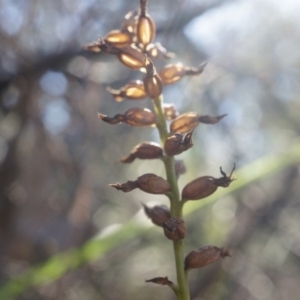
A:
x: 57, y: 157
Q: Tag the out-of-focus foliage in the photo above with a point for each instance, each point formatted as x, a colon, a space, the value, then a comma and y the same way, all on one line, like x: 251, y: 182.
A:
x: 57, y: 157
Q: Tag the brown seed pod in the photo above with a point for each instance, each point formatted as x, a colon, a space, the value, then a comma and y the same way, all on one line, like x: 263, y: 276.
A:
x: 125, y: 187
x: 145, y: 29
x: 174, y: 229
x: 149, y: 183
x: 204, y: 186
x: 185, y: 122
x: 204, y: 256
x: 161, y: 280
x: 190, y: 120
x: 133, y: 90
x: 174, y: 72
x: 153, y: 184
x: 132, y: 57
x: 144, y: 150
x: 134, y: 117
x: 152, y: 82
x: 118, y: 38
x: 178, y: 143
x: 140, y: 117
x: 158, y: 214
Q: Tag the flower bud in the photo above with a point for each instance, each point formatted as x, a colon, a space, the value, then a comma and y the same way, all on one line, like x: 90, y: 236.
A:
x: 118, y: 39
x: 174, y: 229
x: 174, y: 72
x: 204, y: 186
x: 190, y: 120
x: 178, y: 143
x: 145, y: 29
x: 204, y: 256
x: 132, y: 57
x: 134, y: 117
x: 152, y: 82
x: 145, y: 150
x: 161, y: 280
x: 134, y: 90
x: 170, y: 111
x: 153, y: 184
x: 158, y: 214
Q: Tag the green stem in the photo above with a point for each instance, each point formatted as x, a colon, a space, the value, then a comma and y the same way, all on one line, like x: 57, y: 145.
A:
x: 176, y: 205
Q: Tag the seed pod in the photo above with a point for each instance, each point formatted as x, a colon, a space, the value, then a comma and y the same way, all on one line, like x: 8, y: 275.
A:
x: 158, y: 214
x: 140, y: 117
x: 145, y: 29
x: 134, y: 117
x: 152, y: 82
x: 204, y: 186
x: 153, y: 184
x: 133, y: 90
x: 149, y: 183
x: 125, y: 187
x: 118, y: 39
x: 178, y: 143
x: 161, y: 280
x: 174, y: 229
x: 145, y: 150
x: 185, y: 122
x: 204, y: 256
x: 174, y: 72
x: 170, y: 111
x: 157, y: 50
x: 190, y: 120
x: 132, y: 57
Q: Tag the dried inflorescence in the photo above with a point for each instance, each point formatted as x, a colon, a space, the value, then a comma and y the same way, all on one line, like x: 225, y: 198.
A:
x: 133, y: 44
x: 204, y: 256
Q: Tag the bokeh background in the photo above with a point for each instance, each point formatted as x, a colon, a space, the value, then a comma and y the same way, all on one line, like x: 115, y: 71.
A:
x: 57, y: 157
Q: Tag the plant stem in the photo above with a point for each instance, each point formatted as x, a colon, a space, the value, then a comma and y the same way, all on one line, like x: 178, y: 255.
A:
x: 176, y: 205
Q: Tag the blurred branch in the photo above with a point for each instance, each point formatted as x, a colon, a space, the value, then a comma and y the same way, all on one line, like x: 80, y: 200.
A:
x: 94, y: 249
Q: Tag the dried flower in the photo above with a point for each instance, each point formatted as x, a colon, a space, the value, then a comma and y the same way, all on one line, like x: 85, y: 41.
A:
x: 158, y: 214
x: 144, y: 150
x: 161, y: 280
x: 133, y: 90
x: 204, y: 186
x: 203, y: 256
x: 174, y: 229
x: 149, y: 183
x: 118, y: 38
x: 132, y: 57
x: 152, y: 82
x: 145, y: 30
x: 178, y: 143
x: 174, y: 72
x: 134, y: 117
x: 190, y: 120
